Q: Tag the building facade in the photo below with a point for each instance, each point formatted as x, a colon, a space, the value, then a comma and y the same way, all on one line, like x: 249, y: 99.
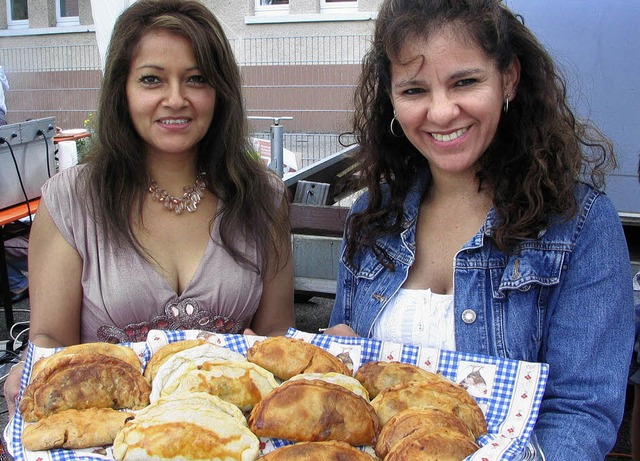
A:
x: 299, y: 59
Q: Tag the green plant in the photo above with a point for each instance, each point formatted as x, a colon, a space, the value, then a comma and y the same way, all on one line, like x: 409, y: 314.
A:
x: 84, y: 145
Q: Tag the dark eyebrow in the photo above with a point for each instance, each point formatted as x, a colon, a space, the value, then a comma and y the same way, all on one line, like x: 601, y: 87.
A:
x: 409, y: 82
x: 148, y: 66
x: 461, y: 74
x: 157, y: 67
x: 465, y: 73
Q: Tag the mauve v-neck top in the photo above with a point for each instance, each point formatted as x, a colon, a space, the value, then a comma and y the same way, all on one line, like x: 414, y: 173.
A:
x: 124, y: 296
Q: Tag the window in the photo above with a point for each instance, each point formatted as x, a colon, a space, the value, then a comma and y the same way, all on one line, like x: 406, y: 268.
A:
x: 17, y: 14
x: 338, y: 6
x: 67, y: 13
x: 278, y: 11
x: 272, y: 6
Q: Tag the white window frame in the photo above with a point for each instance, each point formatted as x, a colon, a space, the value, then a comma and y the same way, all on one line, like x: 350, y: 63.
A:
x: 338, y: 7
x: 15, y: 23
x: 271, y: 9
x: 64, y: 21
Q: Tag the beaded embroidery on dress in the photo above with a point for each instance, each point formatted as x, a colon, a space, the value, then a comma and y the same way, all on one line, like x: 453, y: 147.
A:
x: 185, y: 314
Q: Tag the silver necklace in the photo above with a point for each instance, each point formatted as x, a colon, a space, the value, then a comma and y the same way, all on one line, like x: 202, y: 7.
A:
x: 189, y: 200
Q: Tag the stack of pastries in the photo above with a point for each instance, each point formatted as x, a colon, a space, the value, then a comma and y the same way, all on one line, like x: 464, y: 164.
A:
x: 199, y: 401
x: 74, y: 396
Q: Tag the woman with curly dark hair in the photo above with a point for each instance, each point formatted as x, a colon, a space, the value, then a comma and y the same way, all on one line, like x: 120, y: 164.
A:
x: 483, y: 227
x: 171, y: 223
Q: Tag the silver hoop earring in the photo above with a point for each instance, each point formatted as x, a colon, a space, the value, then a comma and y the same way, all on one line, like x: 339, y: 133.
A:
x: 391, y: 127
x: 505, y: 106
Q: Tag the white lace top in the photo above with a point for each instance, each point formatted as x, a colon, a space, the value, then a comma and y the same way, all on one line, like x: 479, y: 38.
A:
x: 418, y: 317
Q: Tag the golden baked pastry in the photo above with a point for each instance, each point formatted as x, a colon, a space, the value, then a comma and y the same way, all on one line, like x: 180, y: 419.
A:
x: 318, y: 451
x: 442, y: 396
x: 179, y: 363
x: 197, y: 400
x: 408, y: 421
x: 376, y: 376
x: 93, y: 427
x: 439, y: 445
x: 176, y: 430
x: 117, y: 351
x: 313, y: 410
x: 80, y: 381
x: 243, y: 384
x: 166, y: 351
x: 286, y: 357
x: 202, y: 441
x: 336, y: 378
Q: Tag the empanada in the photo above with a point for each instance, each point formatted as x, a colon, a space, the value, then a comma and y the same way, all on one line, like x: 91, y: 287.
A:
x: 438, y: 445
x: 93, y: 427
x: 286, y: 357
x: 376, y: 376
x: 199, y: 400
x: 243, y: 384
x: 202, y: 441
x: 442, y: 396
x: 166, y: 351
x: 167, y: 430
x: 336, y: 378
x: 313, y: 410
x: 80, y: 381
x: 408, y: 421
x: 318, y: 451
x: 117, y: 351
x: 186, y: 360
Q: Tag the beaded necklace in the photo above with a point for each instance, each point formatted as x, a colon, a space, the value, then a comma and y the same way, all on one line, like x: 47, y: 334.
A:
x: 189, y: 201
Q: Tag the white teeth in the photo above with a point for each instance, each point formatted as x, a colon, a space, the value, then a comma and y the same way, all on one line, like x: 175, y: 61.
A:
x: 450, y: 136
x: 173, y: 122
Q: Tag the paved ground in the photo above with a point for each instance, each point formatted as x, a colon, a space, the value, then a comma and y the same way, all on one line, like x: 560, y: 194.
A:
x: 309, y: 317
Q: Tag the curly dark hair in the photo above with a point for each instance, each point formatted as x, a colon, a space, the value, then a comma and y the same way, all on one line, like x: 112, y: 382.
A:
x: 116, y: 177
x: 539, y: 151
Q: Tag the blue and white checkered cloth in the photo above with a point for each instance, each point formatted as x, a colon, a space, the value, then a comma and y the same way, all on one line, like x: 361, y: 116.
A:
x: 508, y: 391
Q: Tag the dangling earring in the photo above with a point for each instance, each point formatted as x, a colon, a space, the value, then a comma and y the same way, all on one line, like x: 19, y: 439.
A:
x: 391, y: 126
x: 505, y: 106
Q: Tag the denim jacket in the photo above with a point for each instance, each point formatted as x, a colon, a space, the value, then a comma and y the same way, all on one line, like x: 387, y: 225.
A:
x: 564, y: 298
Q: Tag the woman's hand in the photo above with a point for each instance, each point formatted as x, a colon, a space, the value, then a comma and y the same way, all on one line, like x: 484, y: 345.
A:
x: 12, y: 387
x: 340, y: 330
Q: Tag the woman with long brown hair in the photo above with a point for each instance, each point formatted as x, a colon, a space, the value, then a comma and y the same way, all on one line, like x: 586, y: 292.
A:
x: 171, y: 223
x: 483, y: 227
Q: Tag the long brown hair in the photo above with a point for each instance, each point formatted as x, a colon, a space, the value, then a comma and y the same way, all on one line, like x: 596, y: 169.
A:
x: 539, y: 151
x: 116, y: 176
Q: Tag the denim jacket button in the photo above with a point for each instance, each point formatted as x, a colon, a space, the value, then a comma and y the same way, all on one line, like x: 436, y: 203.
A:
x: 468, y: 316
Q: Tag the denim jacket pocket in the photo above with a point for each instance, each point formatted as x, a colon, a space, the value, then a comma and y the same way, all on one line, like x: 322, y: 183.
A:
x: 530, y: 267
x: 520, y: 295
x: 366, y: 264
x: 367, y: 267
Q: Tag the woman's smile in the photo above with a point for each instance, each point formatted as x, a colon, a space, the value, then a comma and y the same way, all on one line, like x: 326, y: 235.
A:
x: 447, y: 137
